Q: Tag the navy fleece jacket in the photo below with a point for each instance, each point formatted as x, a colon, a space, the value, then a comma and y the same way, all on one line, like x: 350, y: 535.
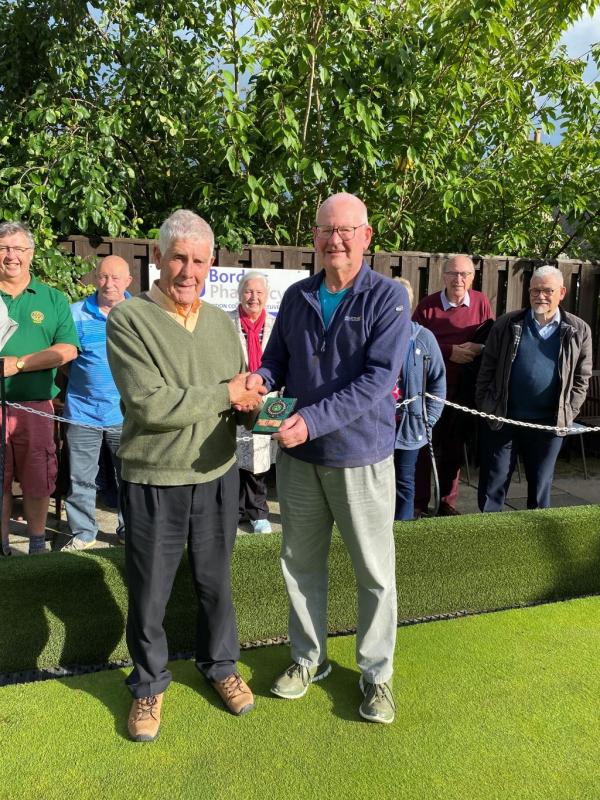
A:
x: 342, y: 376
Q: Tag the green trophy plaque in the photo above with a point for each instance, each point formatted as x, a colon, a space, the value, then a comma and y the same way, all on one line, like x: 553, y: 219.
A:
x: 272, y: 414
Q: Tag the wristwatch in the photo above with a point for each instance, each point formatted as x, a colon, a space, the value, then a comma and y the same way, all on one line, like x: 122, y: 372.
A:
x: 20, y: 365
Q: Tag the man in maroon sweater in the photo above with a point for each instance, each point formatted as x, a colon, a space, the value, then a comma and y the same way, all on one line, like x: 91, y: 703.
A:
x: 453, y: 316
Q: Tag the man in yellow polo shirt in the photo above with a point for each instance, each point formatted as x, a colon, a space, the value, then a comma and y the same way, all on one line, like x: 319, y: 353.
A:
x: 44, y: 340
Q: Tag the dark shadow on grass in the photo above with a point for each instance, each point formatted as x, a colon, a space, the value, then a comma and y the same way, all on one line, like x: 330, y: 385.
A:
x: 341, y: 686
x: 196, y: 681
x: 576, y: 571
x: 265, y: 664
x: 74, y: 591
x: 73, y: 619
x: 343, y: 691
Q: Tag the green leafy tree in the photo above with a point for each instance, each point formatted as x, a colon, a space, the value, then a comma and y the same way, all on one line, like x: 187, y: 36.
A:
x: 114, y: 113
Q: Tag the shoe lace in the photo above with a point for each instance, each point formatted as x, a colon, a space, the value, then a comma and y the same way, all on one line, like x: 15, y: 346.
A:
x: 299, y: 671
x: 233, y: 685
x: 145, y: 708
x: 376, y: 691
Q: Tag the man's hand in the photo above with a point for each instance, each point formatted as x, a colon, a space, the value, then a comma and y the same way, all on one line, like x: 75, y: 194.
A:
x: 293, y: 431
x: 253, y: 380
x: 51, y: 357
x: 243, y: 398
x: 465, y: 353
x: 10, y: 366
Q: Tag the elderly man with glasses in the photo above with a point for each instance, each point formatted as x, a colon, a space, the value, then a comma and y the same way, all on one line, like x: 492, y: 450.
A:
x: 454, y: 316
x: 337, y: 346
x: 536, y: 369
x: 44, y: 339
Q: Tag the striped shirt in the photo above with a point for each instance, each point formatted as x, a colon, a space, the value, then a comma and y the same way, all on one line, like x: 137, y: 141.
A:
x: 92, y: 396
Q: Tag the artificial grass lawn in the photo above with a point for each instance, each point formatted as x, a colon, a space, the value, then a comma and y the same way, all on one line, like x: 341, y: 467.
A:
x: 490, y: 707
x: 65, y: 609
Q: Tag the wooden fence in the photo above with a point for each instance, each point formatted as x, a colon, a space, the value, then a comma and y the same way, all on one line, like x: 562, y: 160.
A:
x: 504, y: 280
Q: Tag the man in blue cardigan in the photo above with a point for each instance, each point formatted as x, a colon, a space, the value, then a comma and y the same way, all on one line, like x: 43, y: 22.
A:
x: 337, y: 345
x: 423, y: 364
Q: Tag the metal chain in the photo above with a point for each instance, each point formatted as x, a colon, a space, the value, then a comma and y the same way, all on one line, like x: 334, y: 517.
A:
x: 39, y: 413
x: 553, y: 428
x: 519, y: 423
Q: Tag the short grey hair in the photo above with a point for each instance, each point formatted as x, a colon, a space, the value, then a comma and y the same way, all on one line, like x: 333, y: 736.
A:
x: 546, y: 271
x: 253, y: 275
x: 10, y: 228
x: 184, y: 224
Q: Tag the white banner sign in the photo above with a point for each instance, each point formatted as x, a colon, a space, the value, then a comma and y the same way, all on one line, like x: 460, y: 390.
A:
x: 221, y: 285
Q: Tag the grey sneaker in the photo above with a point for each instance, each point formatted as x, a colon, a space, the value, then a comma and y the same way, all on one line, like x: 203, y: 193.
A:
x: 294, y: 682
x: 79, y: 543
x: 378, y: 705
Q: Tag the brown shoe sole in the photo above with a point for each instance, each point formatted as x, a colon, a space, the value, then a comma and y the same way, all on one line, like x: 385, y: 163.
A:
x: 240, y: 712
x: 143, y: 737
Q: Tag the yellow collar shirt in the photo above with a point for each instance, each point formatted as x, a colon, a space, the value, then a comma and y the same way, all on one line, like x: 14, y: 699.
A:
x: 174, y: 310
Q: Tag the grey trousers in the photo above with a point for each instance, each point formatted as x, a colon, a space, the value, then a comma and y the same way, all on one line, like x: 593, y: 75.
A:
x: 361, y: 502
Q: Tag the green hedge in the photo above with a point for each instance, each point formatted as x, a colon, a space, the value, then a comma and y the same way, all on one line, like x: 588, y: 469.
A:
x: 66, y: 609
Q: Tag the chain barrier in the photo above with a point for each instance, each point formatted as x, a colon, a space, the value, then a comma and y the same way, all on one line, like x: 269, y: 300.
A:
x: 519, y: 423
x: 39, y: 413
x: 554, y: 429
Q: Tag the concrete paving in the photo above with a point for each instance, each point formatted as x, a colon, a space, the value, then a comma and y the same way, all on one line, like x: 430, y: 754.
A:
x: 570, y: 488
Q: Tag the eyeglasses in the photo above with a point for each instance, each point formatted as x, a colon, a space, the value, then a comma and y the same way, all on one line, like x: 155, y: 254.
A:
x: 345, y: 232
x: 463, y: 275
x: 16, y: 250
x: 545, y: 292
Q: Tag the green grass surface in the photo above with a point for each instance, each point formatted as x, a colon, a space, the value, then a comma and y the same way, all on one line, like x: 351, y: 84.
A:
x: 495, y: 707
x: 70, y: 608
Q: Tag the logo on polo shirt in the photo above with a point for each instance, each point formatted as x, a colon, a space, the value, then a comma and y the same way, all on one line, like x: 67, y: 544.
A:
x: 37, y: 317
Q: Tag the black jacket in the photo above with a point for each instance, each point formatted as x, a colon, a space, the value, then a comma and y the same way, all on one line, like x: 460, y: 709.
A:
x: 574, y: 366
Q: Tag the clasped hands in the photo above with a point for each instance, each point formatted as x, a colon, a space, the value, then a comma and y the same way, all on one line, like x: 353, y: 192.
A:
x: 466, y: 352
x: 293, y: 430
x: 244, y: 393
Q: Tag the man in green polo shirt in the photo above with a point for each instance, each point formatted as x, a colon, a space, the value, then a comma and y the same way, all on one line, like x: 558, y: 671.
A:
x: 44, y: 340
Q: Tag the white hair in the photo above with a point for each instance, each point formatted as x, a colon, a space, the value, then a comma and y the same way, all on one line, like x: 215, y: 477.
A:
x: 11, y: 228
x: 184, y: 224
x: 253, y: 275
x: 546, y: 271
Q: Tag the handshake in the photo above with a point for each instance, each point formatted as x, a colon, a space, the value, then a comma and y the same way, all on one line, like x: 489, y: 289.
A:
x: 246, y: 391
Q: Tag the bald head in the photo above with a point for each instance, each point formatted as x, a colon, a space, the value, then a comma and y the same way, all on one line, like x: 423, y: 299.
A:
x: 343, y: 202
x: 112, y: 279
x: 113, y: 262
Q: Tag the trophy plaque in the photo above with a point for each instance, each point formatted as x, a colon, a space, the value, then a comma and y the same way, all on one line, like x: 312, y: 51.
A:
x: 272, y: 414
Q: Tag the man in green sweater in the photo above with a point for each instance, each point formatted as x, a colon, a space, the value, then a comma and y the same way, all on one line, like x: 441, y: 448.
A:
x: 179, y: 367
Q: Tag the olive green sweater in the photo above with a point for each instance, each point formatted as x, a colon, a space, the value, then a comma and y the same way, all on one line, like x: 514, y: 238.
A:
x: 179, y: 427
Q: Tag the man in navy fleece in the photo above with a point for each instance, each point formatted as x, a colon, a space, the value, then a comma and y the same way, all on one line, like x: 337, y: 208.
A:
x: 337, y: 346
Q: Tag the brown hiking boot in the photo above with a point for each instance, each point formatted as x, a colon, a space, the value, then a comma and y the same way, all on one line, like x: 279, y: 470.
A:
x: 236, y: 694
x: 144, y: 718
